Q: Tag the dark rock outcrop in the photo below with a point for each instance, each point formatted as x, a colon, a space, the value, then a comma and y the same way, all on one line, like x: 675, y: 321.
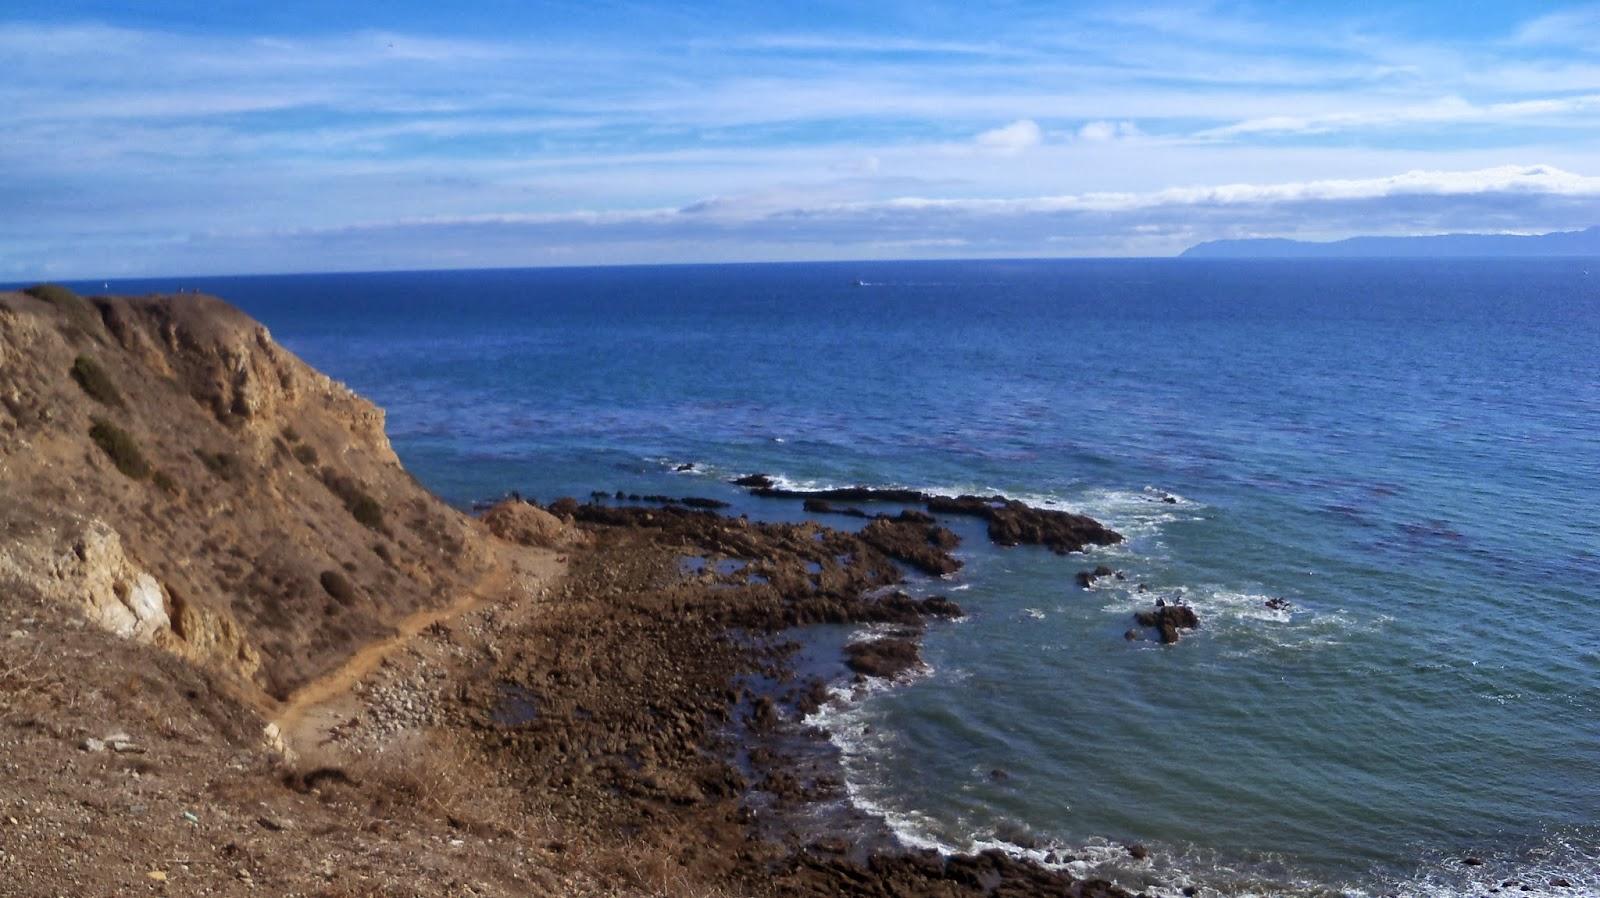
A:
x: 1168, y: 620
x: 1011, y: 522
x: 922, y: 545
x: 887, y: 657
x: 1086, y: 578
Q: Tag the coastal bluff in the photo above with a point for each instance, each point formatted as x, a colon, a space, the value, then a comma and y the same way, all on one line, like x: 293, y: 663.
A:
x: 194, y: 485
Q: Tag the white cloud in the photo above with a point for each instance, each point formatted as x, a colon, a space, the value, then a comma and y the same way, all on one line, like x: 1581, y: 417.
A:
x: 1101, y: 131
x: 1017, y: 137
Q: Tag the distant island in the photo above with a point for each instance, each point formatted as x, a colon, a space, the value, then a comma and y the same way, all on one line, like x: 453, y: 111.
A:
x: 1447, y: 246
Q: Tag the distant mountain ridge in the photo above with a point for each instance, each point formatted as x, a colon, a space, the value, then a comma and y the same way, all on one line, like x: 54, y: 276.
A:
x: 1453, y: 246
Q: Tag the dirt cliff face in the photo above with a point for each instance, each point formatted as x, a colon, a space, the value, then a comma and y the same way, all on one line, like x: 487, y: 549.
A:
x: 193, y: 484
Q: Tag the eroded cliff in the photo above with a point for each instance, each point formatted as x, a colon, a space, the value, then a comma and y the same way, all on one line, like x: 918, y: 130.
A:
x: 193, y: 484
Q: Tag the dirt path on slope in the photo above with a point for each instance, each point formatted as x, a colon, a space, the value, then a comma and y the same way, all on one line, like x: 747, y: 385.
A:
x: 308, y: 716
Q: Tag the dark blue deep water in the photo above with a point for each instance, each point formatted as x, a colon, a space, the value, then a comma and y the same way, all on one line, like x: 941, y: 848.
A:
x: 1407, y: 451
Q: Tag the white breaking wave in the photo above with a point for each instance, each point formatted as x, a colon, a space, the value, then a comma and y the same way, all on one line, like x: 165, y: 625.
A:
x: 1563, y: 865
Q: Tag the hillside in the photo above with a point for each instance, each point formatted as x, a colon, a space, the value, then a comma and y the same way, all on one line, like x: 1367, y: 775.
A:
x: 201, y: 488
x: 1442, y: 246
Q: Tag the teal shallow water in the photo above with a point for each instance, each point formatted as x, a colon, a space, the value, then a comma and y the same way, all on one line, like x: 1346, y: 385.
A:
x: 1407, y: 451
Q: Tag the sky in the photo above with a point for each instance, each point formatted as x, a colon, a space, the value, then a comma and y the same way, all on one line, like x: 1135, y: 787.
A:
x: 166, y: 138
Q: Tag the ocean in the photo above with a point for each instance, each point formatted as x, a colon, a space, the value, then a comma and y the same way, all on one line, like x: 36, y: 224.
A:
x: 1406, y: 451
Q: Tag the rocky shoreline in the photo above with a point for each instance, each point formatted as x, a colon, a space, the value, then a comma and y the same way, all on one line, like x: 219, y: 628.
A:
x: 247, y: 650
x: 669, y: 705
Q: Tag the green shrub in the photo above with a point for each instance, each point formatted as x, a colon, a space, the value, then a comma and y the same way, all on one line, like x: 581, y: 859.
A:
x: 306, y: 454
x: 366, y: 510
x: 165, y: 483
x: 121, y: 448
x: 338, y: 586
x: 357, y: 501
x: 55, y: 294
x: 80, y: 313
x: 96, y: 382
x: 225, y: 465
x: 292, y: 435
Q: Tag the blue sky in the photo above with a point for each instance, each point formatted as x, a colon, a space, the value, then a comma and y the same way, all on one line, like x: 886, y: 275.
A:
x: 226, y: 137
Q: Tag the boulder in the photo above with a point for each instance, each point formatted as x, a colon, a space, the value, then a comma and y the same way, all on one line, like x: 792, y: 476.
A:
x: 530, y: 525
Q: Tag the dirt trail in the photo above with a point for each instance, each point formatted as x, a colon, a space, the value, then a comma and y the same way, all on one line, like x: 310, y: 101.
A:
x: 307, y: 716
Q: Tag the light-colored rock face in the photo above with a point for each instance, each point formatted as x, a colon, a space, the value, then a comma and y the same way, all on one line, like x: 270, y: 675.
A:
x: 85, y: 564
x: 95, y: 572
x: 143, y: 611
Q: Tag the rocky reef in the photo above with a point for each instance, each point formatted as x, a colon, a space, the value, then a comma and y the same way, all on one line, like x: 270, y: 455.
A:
x: 1010, y: 522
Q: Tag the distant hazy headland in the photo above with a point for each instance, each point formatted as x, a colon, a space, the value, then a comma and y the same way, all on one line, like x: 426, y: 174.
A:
x: 1563, y: 243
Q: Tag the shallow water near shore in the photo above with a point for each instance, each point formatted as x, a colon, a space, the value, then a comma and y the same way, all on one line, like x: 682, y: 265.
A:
x: 1406, y: 451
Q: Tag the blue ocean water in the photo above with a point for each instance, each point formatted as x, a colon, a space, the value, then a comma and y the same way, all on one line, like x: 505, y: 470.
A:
x: 1405, y: 450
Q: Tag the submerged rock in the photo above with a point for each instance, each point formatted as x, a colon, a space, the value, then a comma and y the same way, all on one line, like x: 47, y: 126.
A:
x: 823, y: 506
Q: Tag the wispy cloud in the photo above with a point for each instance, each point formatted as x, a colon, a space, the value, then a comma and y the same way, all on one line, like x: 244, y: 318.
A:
x: 1579, y: 26
x: 899, y: 129
x: 1009, y: 140
x: 824, y: 223
x: 1569, y: 111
